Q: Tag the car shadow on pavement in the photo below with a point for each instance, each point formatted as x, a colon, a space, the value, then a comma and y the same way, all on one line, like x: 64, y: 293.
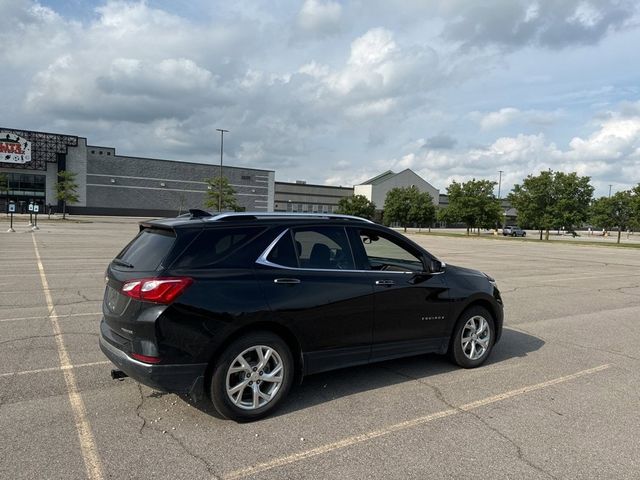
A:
x: 324, y: 387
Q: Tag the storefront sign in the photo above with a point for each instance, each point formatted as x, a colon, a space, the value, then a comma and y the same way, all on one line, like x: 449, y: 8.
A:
x: 14, y: 149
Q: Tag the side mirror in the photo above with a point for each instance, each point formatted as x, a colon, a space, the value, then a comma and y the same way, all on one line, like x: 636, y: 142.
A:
x: 435, y: 266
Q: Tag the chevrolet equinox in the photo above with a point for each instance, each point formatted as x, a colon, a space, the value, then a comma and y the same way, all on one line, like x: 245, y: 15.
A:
x: 238, y: 306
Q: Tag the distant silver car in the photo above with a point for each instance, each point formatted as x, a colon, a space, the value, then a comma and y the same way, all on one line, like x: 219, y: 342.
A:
x: 513, y: 231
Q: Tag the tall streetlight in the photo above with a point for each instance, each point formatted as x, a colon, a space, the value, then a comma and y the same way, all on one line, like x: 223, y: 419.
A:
x: 222, y: 132
x: 504, y: 213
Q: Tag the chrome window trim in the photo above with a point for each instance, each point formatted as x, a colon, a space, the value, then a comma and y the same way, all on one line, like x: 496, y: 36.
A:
x: 262, y: 260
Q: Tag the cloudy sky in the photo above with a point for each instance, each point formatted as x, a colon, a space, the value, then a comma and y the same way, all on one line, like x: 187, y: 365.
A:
x: 337, y: 91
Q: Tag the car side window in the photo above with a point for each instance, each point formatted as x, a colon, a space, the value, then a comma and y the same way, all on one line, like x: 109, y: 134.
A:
x: 384, y: 253
x: 323, y: 248
x: 215, y: 245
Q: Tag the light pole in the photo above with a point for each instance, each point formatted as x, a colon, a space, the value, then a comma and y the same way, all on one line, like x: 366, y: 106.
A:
x: 222, y: 132
x: 504, y: 213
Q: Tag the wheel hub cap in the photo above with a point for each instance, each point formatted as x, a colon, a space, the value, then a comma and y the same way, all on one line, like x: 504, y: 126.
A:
x: 475, y: 338
x: 254, y: 377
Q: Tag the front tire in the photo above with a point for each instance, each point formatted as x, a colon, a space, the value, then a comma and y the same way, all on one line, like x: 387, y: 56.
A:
x: 473, y: 338
x: 252, y: 377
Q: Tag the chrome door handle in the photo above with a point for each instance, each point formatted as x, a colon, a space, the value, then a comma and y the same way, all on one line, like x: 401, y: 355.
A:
x: 386, y: 283
x: 287, y: 281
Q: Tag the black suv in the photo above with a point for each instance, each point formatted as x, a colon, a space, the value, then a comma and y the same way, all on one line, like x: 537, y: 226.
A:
x: 237, y: 306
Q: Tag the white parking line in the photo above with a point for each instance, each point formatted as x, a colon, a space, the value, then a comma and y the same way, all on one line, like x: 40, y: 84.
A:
x: 85, y: 435
x: 46, y: 316
x: 52, y: 369
x: 356, y: 439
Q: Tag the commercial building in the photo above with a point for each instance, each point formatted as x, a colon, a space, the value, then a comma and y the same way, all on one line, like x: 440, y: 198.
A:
x: 376, y: 188
x: 303, y: 197
x: 114, y: 184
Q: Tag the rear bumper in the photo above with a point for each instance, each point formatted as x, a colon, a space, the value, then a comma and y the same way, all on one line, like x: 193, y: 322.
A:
x: 185, y: 379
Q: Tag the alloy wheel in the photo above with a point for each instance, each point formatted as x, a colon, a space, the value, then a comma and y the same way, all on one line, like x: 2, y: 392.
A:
x: 254, y: 377
x: 475, y: 337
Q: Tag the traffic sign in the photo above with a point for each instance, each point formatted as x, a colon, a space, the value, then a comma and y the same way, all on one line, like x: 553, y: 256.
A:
x: 12, y: 208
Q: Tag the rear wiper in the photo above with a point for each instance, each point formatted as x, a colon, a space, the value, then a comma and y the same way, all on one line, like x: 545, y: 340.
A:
x: 122, y: 263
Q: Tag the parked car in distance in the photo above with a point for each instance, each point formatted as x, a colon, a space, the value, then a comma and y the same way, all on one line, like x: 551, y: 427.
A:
x: 512, y: 231
x: 238, y: 306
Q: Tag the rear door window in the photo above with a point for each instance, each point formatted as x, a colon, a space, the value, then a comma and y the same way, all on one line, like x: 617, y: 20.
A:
x: 317, y: 248
x: 323, y: 248
x: 214, y: 245
x: 146, y: 251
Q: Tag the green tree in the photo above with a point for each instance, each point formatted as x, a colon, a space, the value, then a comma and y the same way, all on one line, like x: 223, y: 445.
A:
x: 212, y: 200
x: 422, y: 211
x: 573, y: 196
x: 552, y: 199
x: 66, y: 190
x: 617, y: 211
x: 358, y: 205
x: 398, y: 206
x: 472, y: 203
x: 635, y: 206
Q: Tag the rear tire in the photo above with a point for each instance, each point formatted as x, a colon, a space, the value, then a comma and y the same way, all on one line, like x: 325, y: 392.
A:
x: 252, y: 377
x: 473, y: 338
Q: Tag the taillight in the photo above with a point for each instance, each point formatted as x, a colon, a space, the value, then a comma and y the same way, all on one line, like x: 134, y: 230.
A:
x: 145, y: 358
x: 158, y: 290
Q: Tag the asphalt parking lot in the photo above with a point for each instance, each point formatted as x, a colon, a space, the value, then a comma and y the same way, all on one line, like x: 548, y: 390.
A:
x: 559, y: 398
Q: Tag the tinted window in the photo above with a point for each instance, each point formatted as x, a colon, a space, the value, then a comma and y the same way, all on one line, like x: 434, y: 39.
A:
x: 323, y: 248
x: 214, y: 245
x: 283, y: 253
x: 385, y: 253
x: 147, y: 250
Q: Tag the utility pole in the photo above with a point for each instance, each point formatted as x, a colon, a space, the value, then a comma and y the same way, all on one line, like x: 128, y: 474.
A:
x: 222, y: 132
x: 500, y: 182
x: 610, y: 190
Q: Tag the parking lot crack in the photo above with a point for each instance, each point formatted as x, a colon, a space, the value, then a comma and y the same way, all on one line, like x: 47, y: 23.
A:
x: 519, y: 451
x: 177, y: 440
x: 139, y: 412
x: 441, y: 397
x: 31, y: 337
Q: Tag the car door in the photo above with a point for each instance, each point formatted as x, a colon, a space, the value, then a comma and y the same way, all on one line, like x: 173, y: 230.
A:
x: 411, y: 307
x: 310, y: 282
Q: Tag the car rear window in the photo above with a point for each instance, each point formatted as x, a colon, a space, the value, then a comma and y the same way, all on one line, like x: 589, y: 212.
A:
x: 214, y: 245
x: 146, y: 251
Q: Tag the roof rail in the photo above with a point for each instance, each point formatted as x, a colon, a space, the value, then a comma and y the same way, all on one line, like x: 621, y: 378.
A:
x: 257, y: 215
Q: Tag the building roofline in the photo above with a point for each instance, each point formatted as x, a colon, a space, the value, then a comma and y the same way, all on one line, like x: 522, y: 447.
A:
x: 184, y: 162
x: 377, y: 177
x: 313, y: 185
x: 13, y: 129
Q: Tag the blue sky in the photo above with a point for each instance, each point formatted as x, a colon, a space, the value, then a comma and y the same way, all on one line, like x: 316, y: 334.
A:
x: 336, y: 92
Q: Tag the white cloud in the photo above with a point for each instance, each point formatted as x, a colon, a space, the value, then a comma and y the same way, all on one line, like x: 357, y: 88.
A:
x: 610, y: 153
x: 368, y: 81
x: 509, y: 115
x: 320, y: 17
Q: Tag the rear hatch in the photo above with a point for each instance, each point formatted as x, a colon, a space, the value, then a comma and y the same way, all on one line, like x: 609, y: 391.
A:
x: 125, y: 317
